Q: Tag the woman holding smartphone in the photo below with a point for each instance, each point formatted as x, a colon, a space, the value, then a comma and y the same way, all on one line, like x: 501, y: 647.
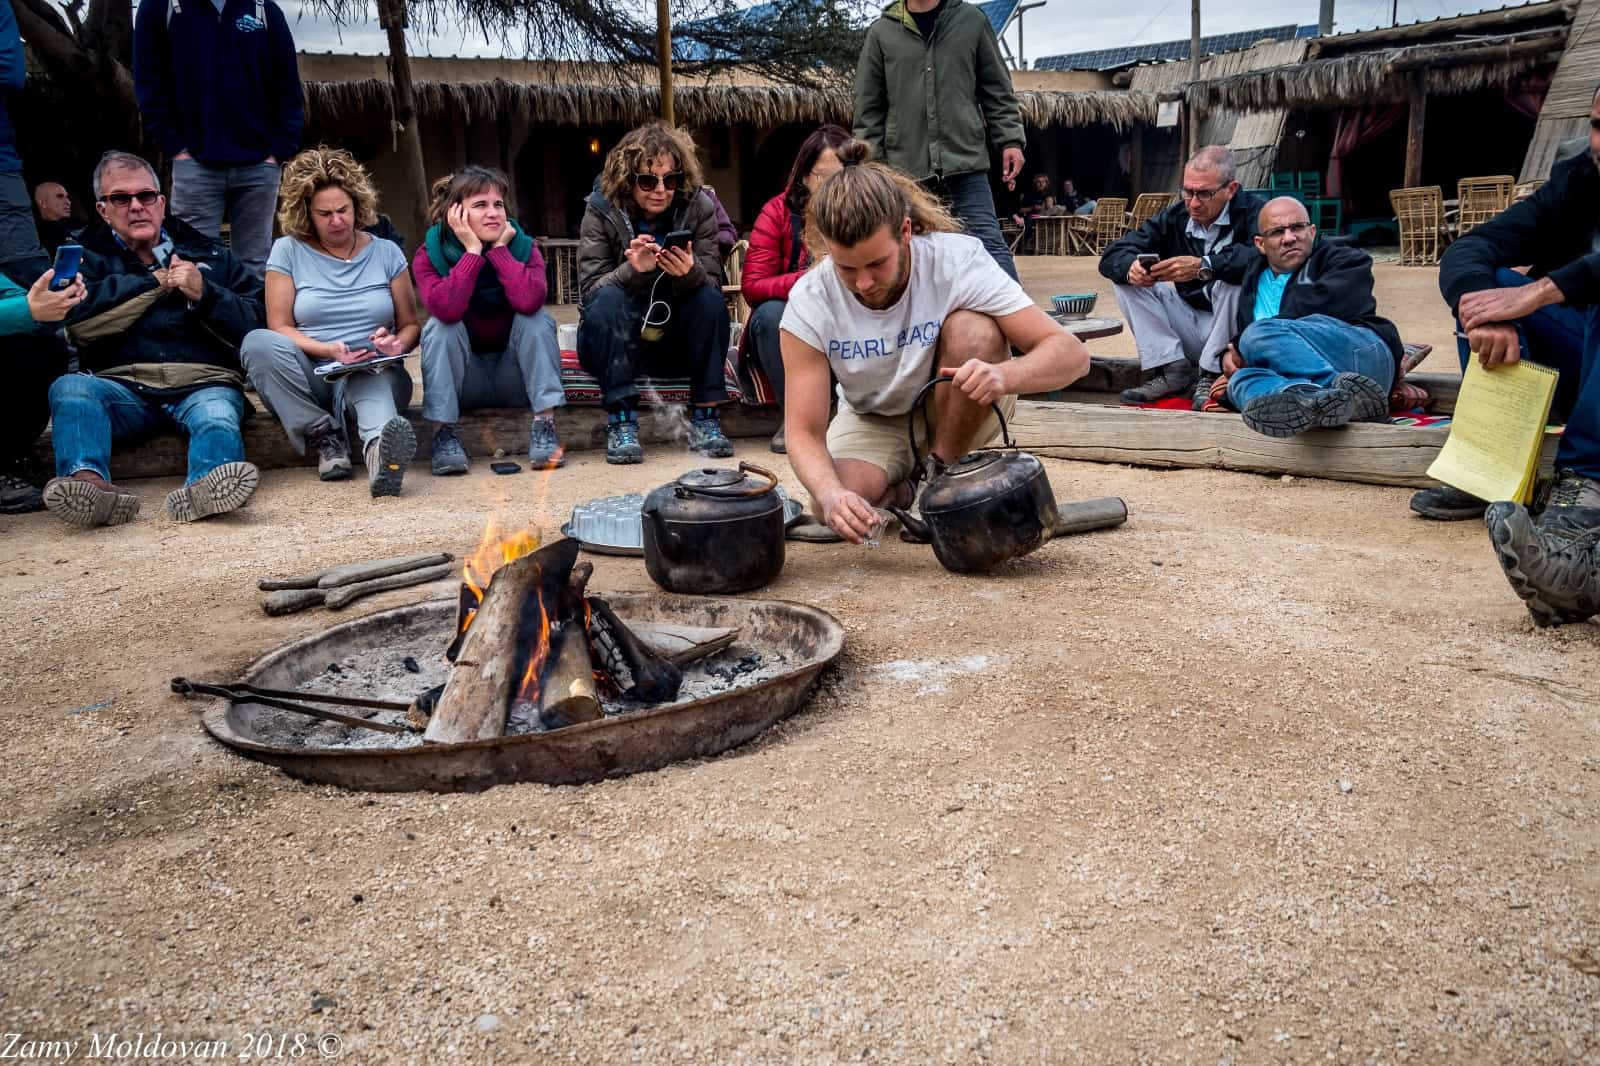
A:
x: 649, y: 276
x: 336, y: 293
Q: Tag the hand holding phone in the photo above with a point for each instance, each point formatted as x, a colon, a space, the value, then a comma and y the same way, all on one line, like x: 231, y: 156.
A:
x: 68, y: 259
x: 1148, y: 260
x: 678, y: 238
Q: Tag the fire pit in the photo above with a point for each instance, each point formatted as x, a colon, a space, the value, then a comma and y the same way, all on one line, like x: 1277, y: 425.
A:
x: 723, y: 700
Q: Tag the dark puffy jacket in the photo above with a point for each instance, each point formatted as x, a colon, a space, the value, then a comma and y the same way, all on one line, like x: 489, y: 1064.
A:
x: 1334, y: 281
x: 935, y: 106
x: 13, y: 72
x: 1554, y: 230
x: 1166, y: 234
x: 168, y: 330
x: 607, y: 230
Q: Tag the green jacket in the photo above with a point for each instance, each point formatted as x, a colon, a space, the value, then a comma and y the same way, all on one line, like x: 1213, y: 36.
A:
x: 14, y: 315
x: 935, y: 107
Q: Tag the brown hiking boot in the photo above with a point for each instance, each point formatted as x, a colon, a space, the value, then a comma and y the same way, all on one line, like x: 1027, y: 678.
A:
x: 227, y: 488
x: 87, y: 499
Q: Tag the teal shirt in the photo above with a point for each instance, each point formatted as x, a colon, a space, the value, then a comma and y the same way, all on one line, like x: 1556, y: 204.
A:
x: 14, y: 316
x: 1269, y: 294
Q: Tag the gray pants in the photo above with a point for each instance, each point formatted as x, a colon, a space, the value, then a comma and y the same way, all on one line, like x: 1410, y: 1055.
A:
x: 526, y: 374
x: 1166, y: 329
x: 287, y: 382
x: 19, y: 237
x: 246, y: 197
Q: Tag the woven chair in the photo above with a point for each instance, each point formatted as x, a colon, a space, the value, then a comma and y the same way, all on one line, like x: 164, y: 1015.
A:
x: 1092, y: 234
x: 1481, y: 199
x: 733, y: 275
x: 1011, y: 233
x: 1420, y: 213
x: 1050, y: 235
x: 1524, y: 190
x: 1148, y: 206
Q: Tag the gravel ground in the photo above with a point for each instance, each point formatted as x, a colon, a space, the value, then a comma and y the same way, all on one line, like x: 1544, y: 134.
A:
x: 1274, y: 773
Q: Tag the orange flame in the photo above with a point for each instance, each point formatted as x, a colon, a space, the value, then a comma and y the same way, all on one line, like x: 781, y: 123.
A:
x: 528, y: 687
x: 494, y: 551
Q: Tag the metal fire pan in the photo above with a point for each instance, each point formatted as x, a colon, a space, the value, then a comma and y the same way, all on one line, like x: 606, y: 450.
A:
x: 613, y: 747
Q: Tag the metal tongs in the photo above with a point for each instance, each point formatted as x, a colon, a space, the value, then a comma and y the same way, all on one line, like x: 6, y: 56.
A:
x: 288, y: 700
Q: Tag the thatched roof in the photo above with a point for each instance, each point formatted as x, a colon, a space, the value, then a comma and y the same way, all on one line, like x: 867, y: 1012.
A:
x: 1086, y: 107
x: 1383, y: 75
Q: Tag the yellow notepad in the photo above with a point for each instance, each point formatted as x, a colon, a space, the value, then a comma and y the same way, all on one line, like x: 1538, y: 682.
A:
x: 1497, y: 430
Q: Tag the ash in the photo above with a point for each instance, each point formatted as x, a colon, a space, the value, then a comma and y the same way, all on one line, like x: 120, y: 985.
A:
x: 734, y: 667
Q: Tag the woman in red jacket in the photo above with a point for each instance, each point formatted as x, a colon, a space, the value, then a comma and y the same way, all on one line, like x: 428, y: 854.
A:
x: 778, y: 257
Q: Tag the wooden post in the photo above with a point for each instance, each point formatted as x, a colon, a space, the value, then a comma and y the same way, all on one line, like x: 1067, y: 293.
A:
x: 1417, y: 106
x: 664, y: 59
x: 407, y: 137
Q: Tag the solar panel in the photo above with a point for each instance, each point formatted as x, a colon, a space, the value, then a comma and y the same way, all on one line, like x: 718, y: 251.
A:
x: 999, y: 13
x: 1128, y: 55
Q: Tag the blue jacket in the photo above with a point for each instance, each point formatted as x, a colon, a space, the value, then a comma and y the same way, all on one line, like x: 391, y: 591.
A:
x: 13, y: 70
x: 226, y: 89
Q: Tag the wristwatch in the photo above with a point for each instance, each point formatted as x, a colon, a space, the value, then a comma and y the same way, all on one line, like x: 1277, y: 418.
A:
x: 1206, y: 273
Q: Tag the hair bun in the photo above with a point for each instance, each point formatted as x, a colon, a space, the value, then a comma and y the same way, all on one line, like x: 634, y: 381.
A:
x: 853, y: 153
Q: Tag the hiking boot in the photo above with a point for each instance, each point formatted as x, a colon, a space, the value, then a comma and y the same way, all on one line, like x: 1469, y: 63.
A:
x: 1367, y: 400
x: 778, y: 444
x: 1572, y: 489
x: 1174, y: 379
x: 544, y: 445
x: 226, y: 488
x: 622, y: 441
x: 387, y: 455
x: 1202, y: 389
x: 1298, y: 408
x: 18, y: 495
x: 333, y: 453
x: 449, y: 456
x: 706, y: 436
x: 87, y: 499
x: 1550, y: 561
x: 1447, y: 504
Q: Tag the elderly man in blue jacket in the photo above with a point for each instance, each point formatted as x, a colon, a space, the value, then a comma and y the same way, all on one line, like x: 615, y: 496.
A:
x: 219, y: 91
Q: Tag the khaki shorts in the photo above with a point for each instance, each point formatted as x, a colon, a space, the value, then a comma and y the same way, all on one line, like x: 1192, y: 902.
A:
x: 881, y: 439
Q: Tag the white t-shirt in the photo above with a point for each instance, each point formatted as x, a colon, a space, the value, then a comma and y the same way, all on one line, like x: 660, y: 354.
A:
x: 882, y: 358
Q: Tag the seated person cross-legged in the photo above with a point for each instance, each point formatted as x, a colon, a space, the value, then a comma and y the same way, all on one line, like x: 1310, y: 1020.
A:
x: 489, y: 343
x: 336, y: 293
x: 158, y: 345
x: 1179, y: 299
x: 778, y: 256
x: 901, y: 297
x: 33, y: 357
x: 648, y: 308
x: 1310, y: 351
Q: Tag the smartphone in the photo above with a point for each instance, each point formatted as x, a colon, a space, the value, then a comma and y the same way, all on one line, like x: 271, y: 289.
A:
x: 678, y: 238
x: 1148, y: 259
x: 68, y: 257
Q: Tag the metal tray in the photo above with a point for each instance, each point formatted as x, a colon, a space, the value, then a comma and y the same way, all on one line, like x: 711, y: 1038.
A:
x: 611, y: 525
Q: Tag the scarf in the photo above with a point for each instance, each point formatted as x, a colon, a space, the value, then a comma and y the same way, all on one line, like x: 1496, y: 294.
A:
x: 445, y: 250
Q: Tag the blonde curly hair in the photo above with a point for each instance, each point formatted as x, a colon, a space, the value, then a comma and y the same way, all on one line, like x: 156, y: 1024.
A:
x: 633, y: 154
x: 312, y: 171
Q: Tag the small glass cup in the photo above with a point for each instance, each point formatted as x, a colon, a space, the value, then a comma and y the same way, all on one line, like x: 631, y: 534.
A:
x: 875, y: 531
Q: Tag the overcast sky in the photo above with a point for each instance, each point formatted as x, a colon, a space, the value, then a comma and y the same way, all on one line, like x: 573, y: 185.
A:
x: 1061, y: 26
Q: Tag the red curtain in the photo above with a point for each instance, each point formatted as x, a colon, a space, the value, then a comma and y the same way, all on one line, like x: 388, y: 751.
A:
x: 1526, y: 97
x: 1356, y: 127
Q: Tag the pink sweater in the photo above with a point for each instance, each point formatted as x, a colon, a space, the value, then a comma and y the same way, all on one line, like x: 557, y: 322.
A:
x: 449, y: 298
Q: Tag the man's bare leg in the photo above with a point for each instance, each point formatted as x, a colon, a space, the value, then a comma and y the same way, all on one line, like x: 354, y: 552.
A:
x: 965, y: 335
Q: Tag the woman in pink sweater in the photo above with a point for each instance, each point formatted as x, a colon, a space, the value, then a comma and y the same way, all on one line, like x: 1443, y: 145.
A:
x: 778, y: 256
x: 488, y: 342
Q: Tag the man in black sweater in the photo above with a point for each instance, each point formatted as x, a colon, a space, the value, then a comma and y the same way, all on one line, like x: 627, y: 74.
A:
x: 1180, y: 307
x: 1310, y: 351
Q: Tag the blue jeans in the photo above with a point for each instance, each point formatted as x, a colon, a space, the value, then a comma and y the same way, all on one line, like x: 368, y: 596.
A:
x: 88, y: 413
x: 972, y: 201
x: 761, y: 341
x: 246, y: 196
x: 1285, y: 353
x: 1580, y: 443
x: 1552, y: 336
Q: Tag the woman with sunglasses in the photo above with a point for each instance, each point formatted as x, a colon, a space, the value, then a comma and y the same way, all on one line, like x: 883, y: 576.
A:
x: 778, y: 256
x: 336, y: 294
x: 649, y: 277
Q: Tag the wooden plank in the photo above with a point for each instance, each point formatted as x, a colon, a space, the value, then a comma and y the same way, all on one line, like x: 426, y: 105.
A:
x: 482, y: 432
x: 1371, y: 453
x: 1416, y: 110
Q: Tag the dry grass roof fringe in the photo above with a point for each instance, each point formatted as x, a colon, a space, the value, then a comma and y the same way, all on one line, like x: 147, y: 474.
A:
x: 585, y: 105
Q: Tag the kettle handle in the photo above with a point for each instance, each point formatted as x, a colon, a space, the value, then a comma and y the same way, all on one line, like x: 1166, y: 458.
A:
x: 917, y: 403
x: 684, y: 491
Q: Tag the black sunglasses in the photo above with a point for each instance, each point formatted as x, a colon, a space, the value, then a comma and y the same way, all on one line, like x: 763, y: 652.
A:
x: 147, y: 198
x: 648, y: 182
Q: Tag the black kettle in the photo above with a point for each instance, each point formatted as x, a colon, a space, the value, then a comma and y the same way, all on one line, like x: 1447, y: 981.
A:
x: 714, y: 530
x: 993, y: 505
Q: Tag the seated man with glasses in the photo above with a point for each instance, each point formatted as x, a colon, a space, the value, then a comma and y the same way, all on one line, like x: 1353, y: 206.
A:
x: 1176, y: 278
x: 650, y: 288
x: 1310, y: 351
x: 158, y: 342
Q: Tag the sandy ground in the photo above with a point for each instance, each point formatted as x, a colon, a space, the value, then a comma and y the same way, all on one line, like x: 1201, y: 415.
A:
x: 1276, y: 772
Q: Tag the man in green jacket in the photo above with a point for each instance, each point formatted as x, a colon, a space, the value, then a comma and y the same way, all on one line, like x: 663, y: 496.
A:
x: 932, y: 96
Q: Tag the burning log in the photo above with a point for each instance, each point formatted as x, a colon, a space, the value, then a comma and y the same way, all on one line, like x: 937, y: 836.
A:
x: 637, y: 670
x: 567, y: 692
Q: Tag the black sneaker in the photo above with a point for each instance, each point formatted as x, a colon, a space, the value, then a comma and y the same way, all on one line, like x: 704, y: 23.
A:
x: 1365, y: 399
x: 1550, y: 562
x: 1448, y: 504
x: 622, y: 442
x: 18, y: 495
x: 1295, y: 410
x: 706, y: 436
x: 1202, y: 389
x: 1174, y: 379
x: 449, y: 455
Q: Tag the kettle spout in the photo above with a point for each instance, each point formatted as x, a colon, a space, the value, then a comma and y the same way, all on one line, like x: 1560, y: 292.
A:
x: 913, y: 524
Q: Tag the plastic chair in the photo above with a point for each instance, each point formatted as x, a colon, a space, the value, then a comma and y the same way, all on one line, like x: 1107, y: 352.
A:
x: 1309, y: 182
x: 1420, y: 213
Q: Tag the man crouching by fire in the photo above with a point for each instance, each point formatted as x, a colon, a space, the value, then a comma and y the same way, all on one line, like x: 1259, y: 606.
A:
x: 902, y: 296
